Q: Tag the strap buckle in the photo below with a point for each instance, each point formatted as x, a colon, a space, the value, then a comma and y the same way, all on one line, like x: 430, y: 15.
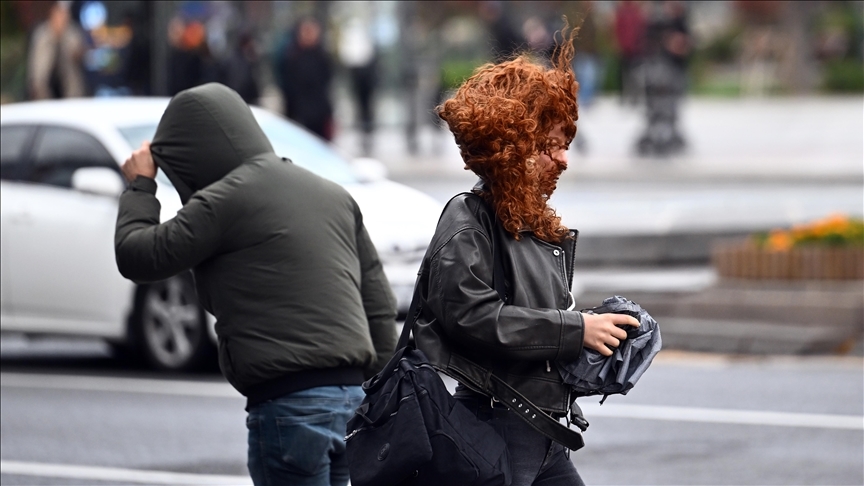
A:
x: 576, y: 417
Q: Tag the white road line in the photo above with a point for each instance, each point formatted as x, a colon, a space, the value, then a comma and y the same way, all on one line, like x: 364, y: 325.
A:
x: 96, y: 473
x: 651, y: 412
x: 724, y: 416
x: 123, y: 385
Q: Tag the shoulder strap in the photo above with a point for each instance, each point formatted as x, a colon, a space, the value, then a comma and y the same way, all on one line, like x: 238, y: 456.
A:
x: 410, y: 317
x: 498, y: 283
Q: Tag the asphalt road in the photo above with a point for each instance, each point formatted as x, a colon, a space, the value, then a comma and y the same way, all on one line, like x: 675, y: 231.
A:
x: 74, y: 416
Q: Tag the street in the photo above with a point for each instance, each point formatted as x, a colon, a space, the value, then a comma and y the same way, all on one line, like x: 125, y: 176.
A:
x: 80, y: 417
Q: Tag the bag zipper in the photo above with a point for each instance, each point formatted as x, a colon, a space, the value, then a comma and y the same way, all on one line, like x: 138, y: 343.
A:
x: 361, y: 429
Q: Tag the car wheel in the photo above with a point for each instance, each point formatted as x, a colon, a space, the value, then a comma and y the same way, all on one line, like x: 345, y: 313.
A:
x: 170, y: 326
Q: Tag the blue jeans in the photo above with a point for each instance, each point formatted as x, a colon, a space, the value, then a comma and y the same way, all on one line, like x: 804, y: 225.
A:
x: 298, y: 439
x: 535, y: 460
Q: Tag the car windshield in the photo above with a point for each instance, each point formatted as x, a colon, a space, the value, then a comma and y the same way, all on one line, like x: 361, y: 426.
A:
x: 288, y: 140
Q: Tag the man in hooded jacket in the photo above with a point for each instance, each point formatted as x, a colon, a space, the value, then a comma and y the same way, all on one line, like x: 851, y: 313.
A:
x: 282, y: 259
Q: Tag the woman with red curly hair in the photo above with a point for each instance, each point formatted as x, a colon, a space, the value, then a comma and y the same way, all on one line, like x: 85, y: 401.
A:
x: 495, y: 308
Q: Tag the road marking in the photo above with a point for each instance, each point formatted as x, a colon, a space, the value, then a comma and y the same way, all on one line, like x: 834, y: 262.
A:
x: 115, y: 474
x: 651, y: 412
x: 724, y: 416
x: 123, y: 385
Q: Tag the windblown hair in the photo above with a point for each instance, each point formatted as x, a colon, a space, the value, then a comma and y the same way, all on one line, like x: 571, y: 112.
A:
x: 501, y: 118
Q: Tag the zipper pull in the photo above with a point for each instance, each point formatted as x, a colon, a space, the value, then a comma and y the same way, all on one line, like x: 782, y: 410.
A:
x: 548, y: 366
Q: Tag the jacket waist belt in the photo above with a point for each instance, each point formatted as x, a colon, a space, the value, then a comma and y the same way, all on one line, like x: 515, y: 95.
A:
x: 302, y: 380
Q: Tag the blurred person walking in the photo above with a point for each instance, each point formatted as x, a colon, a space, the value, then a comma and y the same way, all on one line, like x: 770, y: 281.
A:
x: 185, y: 63
x: 538, y: 39
x: 283, y: 261
x: 505, y: 39
x: 357, y: 54
x: 241, y: 69
x: 306, y: 76
x: 664, y: 77
x: 630, y: 25
x: 470, y: 323
x: 136, y: 56
x: 54, y: 64
x: 190, y: 61
x: 586, y: 64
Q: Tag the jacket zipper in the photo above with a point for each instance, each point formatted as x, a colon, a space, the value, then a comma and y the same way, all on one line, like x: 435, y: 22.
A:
x: 572, y: 258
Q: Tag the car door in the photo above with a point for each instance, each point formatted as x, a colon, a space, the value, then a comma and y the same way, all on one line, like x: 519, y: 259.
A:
x: 15, y: 143
x: 59, y: 251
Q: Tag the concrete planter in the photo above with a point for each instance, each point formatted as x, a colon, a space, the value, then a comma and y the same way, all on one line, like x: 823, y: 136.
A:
x: 747, y: 261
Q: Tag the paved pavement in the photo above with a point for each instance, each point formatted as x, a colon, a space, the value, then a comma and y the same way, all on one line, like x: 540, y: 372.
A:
x: 750, y: 139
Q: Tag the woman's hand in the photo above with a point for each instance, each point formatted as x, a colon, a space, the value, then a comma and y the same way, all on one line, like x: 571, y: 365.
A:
x: 601, y: 331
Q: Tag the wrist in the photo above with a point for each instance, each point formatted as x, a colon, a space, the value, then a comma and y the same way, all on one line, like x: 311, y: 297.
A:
x: 143, y: 183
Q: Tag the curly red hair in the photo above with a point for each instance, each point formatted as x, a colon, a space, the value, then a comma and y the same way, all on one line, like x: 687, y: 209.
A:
x: 501, y: 118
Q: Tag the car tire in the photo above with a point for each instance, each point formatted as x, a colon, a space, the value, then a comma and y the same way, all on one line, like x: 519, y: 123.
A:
x: 170, y: 327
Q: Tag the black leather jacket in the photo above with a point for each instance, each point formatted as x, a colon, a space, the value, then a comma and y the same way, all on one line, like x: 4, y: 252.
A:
x: 467, y: 331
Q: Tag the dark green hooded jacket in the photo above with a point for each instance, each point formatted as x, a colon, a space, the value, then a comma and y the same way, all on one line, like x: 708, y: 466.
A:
x: 280, y: 256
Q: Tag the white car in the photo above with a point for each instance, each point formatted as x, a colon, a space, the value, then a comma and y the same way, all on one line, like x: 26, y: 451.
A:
x: 60, y: 183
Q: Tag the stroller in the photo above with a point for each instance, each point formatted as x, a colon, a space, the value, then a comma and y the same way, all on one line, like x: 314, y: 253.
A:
x: 663, y: 85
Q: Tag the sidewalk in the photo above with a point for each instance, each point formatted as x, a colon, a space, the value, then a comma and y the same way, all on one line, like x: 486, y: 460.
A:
x: 771, y: 139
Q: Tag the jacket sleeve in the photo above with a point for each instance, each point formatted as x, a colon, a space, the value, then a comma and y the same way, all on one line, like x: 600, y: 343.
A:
x: 461, y: 296
x: 147, y: 251
x: 378, y: 300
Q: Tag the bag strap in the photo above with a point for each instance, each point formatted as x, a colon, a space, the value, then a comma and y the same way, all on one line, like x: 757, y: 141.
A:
x: 410, y: 317
x: 414, y: 307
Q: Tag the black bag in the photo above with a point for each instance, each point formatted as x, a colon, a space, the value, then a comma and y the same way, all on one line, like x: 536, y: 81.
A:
x: 410, y: 430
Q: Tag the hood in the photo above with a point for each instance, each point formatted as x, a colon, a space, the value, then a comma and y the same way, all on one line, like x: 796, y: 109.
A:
x: 205, y: 133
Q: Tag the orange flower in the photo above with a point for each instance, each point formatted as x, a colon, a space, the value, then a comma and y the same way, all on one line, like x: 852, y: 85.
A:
x: 833, y: 229
x: 779, y: 240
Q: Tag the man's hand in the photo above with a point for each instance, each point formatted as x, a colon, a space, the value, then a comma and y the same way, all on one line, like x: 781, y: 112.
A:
x: 601, y: 330
x: 140, y: 163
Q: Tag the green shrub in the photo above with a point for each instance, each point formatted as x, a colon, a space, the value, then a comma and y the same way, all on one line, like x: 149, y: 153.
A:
x: 843, y: 76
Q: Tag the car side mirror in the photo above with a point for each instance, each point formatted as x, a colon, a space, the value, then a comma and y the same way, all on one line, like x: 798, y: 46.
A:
x: 98, y: 180
x: 369, y: 170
